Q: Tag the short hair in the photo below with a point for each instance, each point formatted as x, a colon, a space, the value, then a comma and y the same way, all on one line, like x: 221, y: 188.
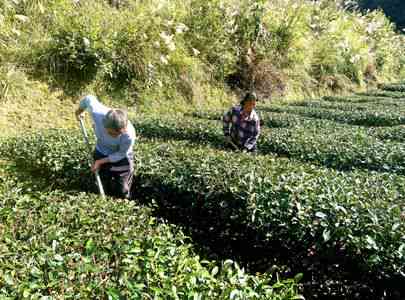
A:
x: 115, y: 119
x: 249, y: 96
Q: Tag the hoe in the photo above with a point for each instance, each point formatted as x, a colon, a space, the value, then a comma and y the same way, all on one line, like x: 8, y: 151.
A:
x: 86, y: 140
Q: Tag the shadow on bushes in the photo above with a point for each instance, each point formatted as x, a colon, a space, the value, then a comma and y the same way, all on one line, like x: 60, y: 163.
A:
x: 220, y: 233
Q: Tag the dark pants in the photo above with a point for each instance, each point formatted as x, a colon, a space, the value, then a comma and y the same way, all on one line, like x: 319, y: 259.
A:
x: 116, y: 177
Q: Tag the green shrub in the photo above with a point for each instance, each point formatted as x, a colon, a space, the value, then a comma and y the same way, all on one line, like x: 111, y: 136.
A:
x: 79, y: 43
x: 399, y: 87
x: 321, y: 142
x: 393, y: 9
x: 210, y: 26
x: 388, y: 60
x: 82, y: 246
x: 150, y: 48
x: 140, y: 49
x: 360, y: 117
x: 379, y: 93
x: 283, y: 200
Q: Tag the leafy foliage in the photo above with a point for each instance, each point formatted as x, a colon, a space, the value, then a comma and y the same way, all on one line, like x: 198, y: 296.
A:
x: 81, y: 246
x: 302, y: 138
x: 154, y: 49
x: 308, y: 204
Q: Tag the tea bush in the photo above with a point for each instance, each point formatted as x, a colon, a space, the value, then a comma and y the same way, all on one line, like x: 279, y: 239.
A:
x: 399, y: 87
x: 283, y: 200
x: 344, y: 149
x: 356, y: 117
x: 381, y: 93
x: 376, y: 105
x: 321, y: 142
x: 81, y: 246
x: 396, y: 133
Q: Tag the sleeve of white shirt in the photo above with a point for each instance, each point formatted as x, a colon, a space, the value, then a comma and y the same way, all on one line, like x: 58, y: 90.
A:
x: 87, y: 102
x: 91, y: 104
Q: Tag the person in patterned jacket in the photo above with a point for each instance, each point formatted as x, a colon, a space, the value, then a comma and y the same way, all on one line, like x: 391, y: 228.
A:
x: 241, y: 124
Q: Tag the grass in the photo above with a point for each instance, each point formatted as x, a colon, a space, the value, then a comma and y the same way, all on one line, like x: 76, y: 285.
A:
x: 39, y: 109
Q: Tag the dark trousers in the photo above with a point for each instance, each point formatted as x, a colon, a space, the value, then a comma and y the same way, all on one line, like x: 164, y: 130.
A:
x: 116, y: 177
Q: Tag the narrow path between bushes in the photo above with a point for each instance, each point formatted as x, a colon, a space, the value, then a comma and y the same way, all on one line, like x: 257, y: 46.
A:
x: 324, y: 277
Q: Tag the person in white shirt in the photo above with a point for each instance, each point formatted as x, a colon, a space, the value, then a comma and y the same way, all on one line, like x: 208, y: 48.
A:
x: 113, y: 156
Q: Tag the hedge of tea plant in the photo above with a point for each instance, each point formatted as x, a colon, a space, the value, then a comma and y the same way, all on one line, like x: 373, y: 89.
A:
x: 297, y: 204
x: 356, y: 98
x: 381, y: 93
x: 354, y: 117
x: 340, y: 148
x: 273, y: 120
x: 396, y: 87
x: 285, y: 120
x: 180, y: 128
x: 79, y: 246
x: 396, y: 133
x: 320, y: 142
x: 285, y: 200
x: 381, y: 105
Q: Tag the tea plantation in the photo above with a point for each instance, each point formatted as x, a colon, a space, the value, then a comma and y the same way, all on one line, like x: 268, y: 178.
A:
x: 322, y: 201
x: 75, y: 246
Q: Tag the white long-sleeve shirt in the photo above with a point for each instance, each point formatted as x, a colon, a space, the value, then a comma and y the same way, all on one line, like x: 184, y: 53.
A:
x: 116, y: 148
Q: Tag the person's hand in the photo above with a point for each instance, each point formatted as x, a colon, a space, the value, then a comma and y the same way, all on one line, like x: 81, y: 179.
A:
x: 79, y: 114
x: 229, y: 141
x: 96, y: 165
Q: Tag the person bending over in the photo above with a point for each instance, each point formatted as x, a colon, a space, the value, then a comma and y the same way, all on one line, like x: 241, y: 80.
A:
x: 113, y: 155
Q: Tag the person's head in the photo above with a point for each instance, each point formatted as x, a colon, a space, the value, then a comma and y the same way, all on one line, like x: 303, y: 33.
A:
x: 115, y: 122
x: 248, y: 102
